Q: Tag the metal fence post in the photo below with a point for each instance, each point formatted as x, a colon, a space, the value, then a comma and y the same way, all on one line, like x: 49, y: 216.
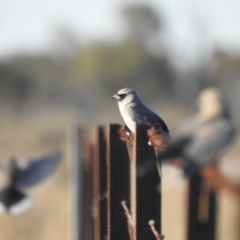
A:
x: 81, y: 175
x: 148, y: 195
x: 99, y: 184
x: 117, y: 184
x: 200, y: 229
x: 87, y: 190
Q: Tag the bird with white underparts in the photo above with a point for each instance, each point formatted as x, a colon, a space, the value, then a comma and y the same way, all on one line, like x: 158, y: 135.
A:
x: 202, y: 139
x: 16, y: 177
x: 134, y: 112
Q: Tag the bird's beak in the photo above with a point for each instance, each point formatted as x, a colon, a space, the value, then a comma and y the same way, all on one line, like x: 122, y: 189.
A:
x: 115, y: 97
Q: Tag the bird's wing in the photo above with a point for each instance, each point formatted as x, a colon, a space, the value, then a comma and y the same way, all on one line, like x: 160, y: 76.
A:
x: 209, y: 140
x: 145, y: 115
x: 37, y: 170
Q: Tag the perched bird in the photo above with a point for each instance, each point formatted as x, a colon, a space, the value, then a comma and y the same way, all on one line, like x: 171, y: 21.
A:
x: 203, y: 138
x: 16, y: 177
x: 134, y: 112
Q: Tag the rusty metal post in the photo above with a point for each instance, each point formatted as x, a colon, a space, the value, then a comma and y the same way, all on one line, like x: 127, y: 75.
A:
x: 148, y: 195
x: 117, y: 184
x: 82, y: 185
x: 99, y: 184
x: 200, y: 229
x: 87, y: 190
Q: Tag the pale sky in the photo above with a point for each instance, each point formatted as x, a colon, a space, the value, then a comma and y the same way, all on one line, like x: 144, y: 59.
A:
x: 31, y: 25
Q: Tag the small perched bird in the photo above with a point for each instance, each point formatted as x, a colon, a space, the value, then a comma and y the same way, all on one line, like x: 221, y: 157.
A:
x: 134, y: 112
x: 203, y: 138
x: 16, y: 177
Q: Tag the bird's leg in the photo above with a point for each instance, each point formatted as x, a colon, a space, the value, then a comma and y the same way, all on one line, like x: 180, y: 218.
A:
x: 126, y: 136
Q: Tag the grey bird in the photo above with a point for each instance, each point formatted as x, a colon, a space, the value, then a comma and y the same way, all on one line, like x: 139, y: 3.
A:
x: 16, y: 177
x: 134, y: 112
x: 204, y: 137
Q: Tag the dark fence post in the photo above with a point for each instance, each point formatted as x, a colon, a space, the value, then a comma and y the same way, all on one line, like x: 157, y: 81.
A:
x: 148, y: 195
x: 99, y: 184
x: 117, y: 184
x: 82, y: 185
x: 200, y: 229
x: 87, y: 190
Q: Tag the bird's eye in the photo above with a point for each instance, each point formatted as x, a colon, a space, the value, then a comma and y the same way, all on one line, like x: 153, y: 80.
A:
x: 122, y: 96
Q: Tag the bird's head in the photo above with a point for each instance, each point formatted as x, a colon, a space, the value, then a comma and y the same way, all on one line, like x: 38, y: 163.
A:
x: 126, y: 96
x: 211, y: 103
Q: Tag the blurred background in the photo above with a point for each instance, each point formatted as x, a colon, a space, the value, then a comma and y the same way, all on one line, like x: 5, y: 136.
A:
x: 61, y: 61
